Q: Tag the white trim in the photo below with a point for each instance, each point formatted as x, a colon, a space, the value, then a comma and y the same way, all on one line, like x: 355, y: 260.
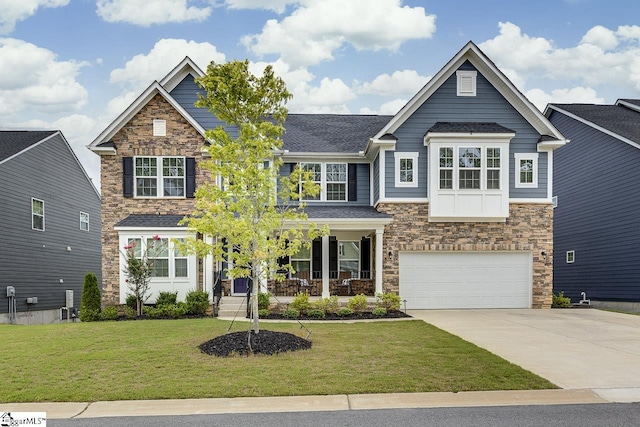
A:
x: 403, y: 200
x: 379, y: 254
x: 554, y: 201
x: 179, y: 72
x: 571, y: 254
x: 81, y: 222
x: 550, y: 174
x: 413, y: 156
x: 34, y: 214
x: 159, y: 177
x: 463, y: 76
x: 534, y: 165
x: 382, y: 172
x: 541, y: 200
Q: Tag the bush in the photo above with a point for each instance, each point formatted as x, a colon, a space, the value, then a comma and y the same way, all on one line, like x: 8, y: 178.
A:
x: 90, y: 300
x: 560, y: 301
x: 129, y: 313
x: 291, y: 313
x: 131, y: 301
x: 379, y: 311
x: 301, y: 302
x: 167, y: 298
x: 327, y: 305
x: 263, y: 301
x: 316, y: 313
x: 110, y: 313
x: 263, y: 312
x: 197, y: 303
x: 345, y: 311
x: 358, y: 303
x: 151, y: 312
x: 389, y: 301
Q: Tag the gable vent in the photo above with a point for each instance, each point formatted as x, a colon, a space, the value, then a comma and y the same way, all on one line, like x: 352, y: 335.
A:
x: 159, y: 128
x: 466, y: 83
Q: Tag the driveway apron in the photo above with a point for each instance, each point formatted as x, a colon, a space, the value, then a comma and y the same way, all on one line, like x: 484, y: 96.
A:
x: 573, y: 348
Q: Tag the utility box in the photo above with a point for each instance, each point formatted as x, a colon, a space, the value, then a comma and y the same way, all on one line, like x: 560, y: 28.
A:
x: 11, y: 291
x: 69, y: 300
x: 32, y: 300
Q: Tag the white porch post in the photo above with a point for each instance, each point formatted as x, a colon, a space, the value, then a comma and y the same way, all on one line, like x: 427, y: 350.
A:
x: 207, y: 270
x: 379, y: 255
x: 325, y: 266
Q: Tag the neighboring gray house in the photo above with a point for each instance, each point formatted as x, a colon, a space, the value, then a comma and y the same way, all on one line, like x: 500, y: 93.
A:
x: 448, y: 202
x: 597, y: 188
x: 50, y: 218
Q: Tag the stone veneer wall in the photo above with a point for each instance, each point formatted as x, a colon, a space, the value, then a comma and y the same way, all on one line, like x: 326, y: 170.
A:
x: 528, y: 228
x: 136, y: 139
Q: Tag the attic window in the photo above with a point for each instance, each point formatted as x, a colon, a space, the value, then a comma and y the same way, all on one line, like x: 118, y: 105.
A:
x: 466, y: 83
x: 159, y: 128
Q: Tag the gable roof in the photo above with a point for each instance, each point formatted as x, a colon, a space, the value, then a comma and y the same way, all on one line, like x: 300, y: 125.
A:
x: 617, y: 120
x: 470, y: 52
x: 13, y: 143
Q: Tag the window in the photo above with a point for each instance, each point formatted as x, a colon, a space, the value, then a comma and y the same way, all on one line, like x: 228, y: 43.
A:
x: 84, y: 221
x: 180, y: 262
x: 156, y: 176
x: 332, y: 178
x: 406, y: 169
x: 571, y: 257
x: 446, y: 168
x: 37, y: 214
x: 167, y: 261
x: 301, y: 261
x: 493, y: 168
x: 349, y: 257
x: 466, y: 83
x: 469, y: 167
x: 526, y: 170
x: 159, y: 128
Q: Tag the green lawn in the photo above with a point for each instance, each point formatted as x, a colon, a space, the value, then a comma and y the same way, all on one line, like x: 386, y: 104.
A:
x: 159, y: 359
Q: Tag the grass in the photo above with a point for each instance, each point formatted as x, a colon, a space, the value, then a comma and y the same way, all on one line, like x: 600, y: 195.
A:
x: 159, y: 359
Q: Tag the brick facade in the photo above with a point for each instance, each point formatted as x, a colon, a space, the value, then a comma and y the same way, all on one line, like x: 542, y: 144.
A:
x: 528, y: 228
x: 136, y: 139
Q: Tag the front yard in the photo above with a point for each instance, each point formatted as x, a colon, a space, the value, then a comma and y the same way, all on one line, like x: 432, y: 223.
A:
x: 160, y: 359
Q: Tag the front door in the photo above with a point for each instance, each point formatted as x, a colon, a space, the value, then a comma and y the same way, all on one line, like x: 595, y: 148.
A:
x: 240, y: 285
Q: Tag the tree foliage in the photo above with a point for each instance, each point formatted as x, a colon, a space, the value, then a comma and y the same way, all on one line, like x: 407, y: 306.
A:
x: 90, y: 301
x: 247, y: 208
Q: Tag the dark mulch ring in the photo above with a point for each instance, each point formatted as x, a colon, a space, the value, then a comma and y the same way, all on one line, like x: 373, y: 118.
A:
x: 395, y: 314
x: 265, y: 342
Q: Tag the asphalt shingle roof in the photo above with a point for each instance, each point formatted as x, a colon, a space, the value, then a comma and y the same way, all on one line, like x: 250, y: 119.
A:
x: 615, y: 118
x: 151, y: 221
x: 12, y: 142
x: 469, y: 127
x: 333, y: 133
x: 346, y: 212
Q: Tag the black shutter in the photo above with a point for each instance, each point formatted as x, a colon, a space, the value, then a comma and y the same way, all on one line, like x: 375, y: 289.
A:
x: 353, y: 182
x: 127, y: 176
x: 191, y: 177
x: 333, y: 255
x: 316, y: 258
x: 292, y: 166
x: 365, y: 258
x: 284, y: 261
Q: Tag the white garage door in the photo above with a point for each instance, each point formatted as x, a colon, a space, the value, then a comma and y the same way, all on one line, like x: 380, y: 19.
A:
x: 466, y: 279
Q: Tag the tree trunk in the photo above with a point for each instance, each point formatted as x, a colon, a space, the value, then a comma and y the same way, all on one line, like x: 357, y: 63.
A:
x: 255, y: 288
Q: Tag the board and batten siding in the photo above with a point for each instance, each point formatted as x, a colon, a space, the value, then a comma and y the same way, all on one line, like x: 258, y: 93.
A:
x: 34, y: 261
x: 596, y: 182
x: 445, y: 106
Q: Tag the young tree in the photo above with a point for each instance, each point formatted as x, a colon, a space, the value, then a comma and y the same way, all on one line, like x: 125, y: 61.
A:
x: 90, y: 300
x: 139, y: 267
x: 246, y: 209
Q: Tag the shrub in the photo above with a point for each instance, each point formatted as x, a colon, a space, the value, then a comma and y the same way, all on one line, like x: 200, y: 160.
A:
x: 129, y: 313
x: 110, y: 313
x: 167, y: 298
x: 291, y: 313
x: 197, y: 303
x: 327, y: 305
x: 379, y: 311
x: 316, y: 313
x: 560, y: 301
x: 263, y: 312
x: 151, y: 312
x: 131, y: 301
x: 263, y: 301
x: 175, y: 311
x: 388, y: 301
x: 345, y: 311
x: 301, y: 302
x: 90, y: 300
x: 358, y: 303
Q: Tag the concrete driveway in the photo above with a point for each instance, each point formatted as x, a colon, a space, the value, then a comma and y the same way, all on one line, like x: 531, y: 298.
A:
x: 573, y: 348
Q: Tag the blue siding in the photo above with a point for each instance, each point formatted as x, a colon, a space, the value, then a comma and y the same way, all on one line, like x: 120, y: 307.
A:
x: 596, y: 181
x: 445, y: 106
x: 376, y: 179
x: 35, y: 261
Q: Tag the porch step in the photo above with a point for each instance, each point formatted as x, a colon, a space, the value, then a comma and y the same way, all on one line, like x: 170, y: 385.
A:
x: 232, y: 306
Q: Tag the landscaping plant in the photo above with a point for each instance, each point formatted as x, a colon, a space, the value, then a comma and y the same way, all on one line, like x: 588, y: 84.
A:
x: 90, y: 300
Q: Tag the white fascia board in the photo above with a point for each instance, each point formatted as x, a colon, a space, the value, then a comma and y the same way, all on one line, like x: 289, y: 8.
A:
x: 179, y: 72
x: 528, y: 201
x: 551, y: 145
x: 628, y: 105
x: 417, y: 200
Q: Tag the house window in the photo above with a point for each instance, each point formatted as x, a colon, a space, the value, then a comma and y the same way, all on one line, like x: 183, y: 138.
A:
x: 156, y: 176
x: 526, y: 170
x: 167, y: 261
x: 316, y: 176
x: 37, y: 214
x: 349, y: 257
x: 180, y: 262
x: 84, y: 221
x: 332, y: 179
x: 466, y: 83
x: 159, y: 128
x: 301, y: 262
x: 469, y: 168
x: 446, y: 168
x: 406, y: 171
x: 493, y: 168
x: 571, y: 257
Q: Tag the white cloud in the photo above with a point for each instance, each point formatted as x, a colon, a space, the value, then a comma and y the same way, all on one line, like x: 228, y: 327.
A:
x: 406, y: 82
x: 331, y: 96
x: 277, y: 6
x: 149, y: 12
x: 388, y: 108
x: 313, y: 31
x: 12, y: 11
x: 51, y: 85
x: 602, y: 37
x: 576, y: 95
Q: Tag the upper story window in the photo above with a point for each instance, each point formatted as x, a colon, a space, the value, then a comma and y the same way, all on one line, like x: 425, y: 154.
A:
x: 37, y: 214
x: 526, y: 170
x: 160, y: 176
x: 84, y: 221
x: 406, y: 167
x: 466, y: 82
x: 475, y: 168
x: 332, y: 178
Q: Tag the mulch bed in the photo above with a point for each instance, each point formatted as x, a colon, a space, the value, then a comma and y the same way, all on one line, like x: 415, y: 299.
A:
x: 395, y: 314
x: 265, y: 342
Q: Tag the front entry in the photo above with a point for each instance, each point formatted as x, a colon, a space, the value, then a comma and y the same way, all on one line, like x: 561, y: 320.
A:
x: 240, y: 286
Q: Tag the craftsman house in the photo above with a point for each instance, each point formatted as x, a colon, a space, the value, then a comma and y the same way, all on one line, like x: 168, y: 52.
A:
x: 448, y: 202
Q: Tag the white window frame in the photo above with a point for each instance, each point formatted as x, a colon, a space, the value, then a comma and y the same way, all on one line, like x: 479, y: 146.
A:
x: 160, y: 177
x: 84, y: 219
x: 571, y: 257
x: 341, y: 258
x: 399, y: 156
x: 159, y: 127
x: 466, y: 82
x: 34, y: 214
x: 322, y: 197
x: 295, y: 257
x: 533, y: 157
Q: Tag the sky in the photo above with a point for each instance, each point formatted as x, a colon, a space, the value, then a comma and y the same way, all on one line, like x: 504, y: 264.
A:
x: 74, y: 65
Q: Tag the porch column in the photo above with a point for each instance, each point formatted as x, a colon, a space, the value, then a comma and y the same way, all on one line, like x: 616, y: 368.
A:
x: 207, y: 270
x: 379, y: 259
x: 325, y: 266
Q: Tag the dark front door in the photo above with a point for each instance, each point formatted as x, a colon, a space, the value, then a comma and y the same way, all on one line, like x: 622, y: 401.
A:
x: 240, y: 285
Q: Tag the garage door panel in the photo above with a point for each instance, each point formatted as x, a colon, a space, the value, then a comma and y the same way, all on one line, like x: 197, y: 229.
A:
x: 466, y: 280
